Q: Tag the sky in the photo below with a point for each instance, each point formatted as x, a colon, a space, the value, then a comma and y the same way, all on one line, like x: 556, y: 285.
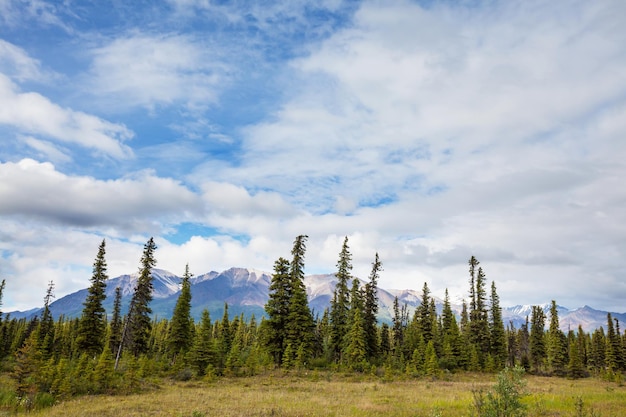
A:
x: 425, y: 131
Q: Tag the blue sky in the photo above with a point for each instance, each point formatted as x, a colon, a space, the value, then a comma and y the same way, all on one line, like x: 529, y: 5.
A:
x: 425, y: 131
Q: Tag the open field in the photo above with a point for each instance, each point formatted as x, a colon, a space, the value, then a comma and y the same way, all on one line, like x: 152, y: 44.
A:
x: 322, y: 394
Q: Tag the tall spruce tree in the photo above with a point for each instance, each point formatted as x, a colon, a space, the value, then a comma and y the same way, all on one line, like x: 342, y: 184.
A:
x: 497, y: 336
x: 424, y: 317
x: 340, y: 304
x: 2, y: 284
x: 179, y: 336
x: 138, y: 320
x: 478, y: 314
x: 277, y: 309
x: 556, y: 348
x: 300, y: 323
x: 115, y: 331
x: 575, y: 368
x: 537, y: 339
x: 203, y: 352
x: 451, y: 336
x: 45, y: 331
x: 397, y: 330
x: 370, y: 310
x: 92, y: 327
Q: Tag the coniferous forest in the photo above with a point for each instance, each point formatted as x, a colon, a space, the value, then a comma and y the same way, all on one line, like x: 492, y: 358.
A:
x: 44, y: 360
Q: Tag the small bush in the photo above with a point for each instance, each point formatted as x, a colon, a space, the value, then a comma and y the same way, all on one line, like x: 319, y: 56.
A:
x: 504, y: 399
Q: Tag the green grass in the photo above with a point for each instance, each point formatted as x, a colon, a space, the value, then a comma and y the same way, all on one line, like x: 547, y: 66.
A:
x: 325, y: 394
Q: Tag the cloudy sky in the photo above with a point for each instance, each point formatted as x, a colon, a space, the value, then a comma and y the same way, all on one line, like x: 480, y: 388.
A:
x: 426, y: 131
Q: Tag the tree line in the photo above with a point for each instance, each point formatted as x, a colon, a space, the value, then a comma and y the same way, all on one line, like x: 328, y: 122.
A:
x: 45, y: 360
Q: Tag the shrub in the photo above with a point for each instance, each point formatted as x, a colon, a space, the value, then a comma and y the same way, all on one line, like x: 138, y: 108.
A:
x: 504, y: 399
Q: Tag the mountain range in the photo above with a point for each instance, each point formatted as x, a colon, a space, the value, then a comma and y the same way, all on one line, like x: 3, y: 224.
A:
x: 246, y: 291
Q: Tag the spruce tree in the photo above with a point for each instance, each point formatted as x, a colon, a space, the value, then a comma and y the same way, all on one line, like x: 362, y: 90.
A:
x: 356, y: 350
x: 300, y: 323
x: 451, y: 336
x: 496, y: 329
x: 556, y: 343
x: 138, y: 320
x: 179, y: 337
x: 537, y: 341
x: 203, y: 354
x: 340, y: 304
x: 92, y: 331
x: 423, y: 316
x: 370, y: 310
x: 397, y: 329
x: 2, y: 284
x: 575, y: 368
x: 277, y: 309
x: 597, y: 359
x: 45, y: 331
x: 115, y: 330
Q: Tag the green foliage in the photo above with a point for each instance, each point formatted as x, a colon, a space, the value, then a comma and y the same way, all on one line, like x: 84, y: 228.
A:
x: 504, y: 399
x: 138, y: 319
x: 91, y: 336
x: 340, y: 304
x: 497, y: 335
x: 179, y: 335
x: 370, y: 311
x: 537, y: 340
x: 277, y: 309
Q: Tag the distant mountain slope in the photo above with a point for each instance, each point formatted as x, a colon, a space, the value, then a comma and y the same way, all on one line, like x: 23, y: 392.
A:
x: 246, y: 291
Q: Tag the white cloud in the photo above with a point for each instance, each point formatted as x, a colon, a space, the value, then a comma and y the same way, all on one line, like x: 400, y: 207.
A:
x: 47, y: 149
x: 158, y: 70
x: 33, y: 113
x: 17, y: 64
x: 141, y: 203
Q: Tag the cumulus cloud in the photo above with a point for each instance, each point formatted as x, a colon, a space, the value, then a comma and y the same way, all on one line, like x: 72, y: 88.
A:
x: 140, y: 203
x: 33, y: 113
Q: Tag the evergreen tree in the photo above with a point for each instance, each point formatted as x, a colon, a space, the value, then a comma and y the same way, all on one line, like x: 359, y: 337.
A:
x: 397, y: 328
x: 2, y: 284
x: 424, y: 317
x: 138, y: 323
x: 497, y: 335
x: 370, y: 310
x: 473, y: 263
x: 619, y: 346
x: 202, y: 354
x: 356, y: 350
x: 300, y: 323
x: 523, y: 345
x: 478, y: 315
x: 575, y: 367
x: 556, y: 343
x: 537, y: 342
x: 597, y: 359
x: 431, y: 363
x: 277, y: 309
x: 45, y: 331
x: 115, y: 330
x: 451, y: 336
x: 340, y: 304
x: 179, y: 337
x: 92, y: 331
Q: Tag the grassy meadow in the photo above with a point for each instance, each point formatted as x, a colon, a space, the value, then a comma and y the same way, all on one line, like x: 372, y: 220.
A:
x: 327, y: 394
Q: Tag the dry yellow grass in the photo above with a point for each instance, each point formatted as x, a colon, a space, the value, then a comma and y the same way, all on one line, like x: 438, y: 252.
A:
x: 326, y: 395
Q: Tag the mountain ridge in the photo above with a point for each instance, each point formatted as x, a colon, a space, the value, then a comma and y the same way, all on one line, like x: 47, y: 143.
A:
x: 246, y: 291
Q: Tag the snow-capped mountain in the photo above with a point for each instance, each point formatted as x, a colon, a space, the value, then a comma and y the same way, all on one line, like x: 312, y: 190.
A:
x: 246, y: 291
